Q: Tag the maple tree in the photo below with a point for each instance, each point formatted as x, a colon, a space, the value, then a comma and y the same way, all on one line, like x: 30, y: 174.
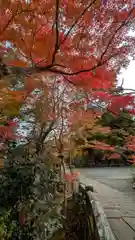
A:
x: 98, y: 137
x: 83, y: 132
x: 55, y: 58
x: 54, y: 38
x: 43, y: 118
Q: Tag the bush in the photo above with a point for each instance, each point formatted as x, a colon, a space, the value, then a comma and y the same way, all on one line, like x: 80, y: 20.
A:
x: 30, y: 208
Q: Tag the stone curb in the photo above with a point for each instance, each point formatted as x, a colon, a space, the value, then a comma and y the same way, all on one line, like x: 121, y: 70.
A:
x: 104, y: 229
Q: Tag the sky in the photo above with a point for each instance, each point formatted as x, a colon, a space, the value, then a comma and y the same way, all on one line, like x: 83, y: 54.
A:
x: 128, y: 76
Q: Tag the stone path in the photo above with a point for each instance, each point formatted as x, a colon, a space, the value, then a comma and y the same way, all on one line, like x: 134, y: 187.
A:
x: 118, y: 206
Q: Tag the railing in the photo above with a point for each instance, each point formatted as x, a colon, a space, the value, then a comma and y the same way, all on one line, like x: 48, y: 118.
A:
x: 92, y: 230
x: 81, y: 223
x: 96, y: 221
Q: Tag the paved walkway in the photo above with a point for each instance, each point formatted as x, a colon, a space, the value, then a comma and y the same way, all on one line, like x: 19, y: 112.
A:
x: 118, y: 206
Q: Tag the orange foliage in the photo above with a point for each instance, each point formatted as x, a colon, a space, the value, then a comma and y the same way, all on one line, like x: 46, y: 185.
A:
x: 114, y: 156
x: 130, y: 143
x: 102, y: 146
x: 71, y: 176
x: 71, y: 38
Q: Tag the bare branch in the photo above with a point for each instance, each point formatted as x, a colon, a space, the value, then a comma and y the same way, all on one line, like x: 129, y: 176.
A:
x: 42, y: 137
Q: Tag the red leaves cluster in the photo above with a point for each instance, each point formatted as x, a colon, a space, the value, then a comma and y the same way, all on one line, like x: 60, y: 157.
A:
x: 80, y: 117
x: 102, y: 96
x: 102, y: 146
x: 120, y: 102
x: 131, y: 111
x: 71, y: 176
x: 5, y: 16
x: 114, y: 156
x: 130, y: 143
x: 81, y: 28
x: 115, y: 103
x: 100, y: 78
x: 132, y: 159
x: 7, y: 131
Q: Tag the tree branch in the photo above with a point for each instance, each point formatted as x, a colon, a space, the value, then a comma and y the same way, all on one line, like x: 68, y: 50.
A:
x: 52, y: 68
x: 76, y: 21
x: 55, y: 68
x: 114, y: 34
x: 42, y: 137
